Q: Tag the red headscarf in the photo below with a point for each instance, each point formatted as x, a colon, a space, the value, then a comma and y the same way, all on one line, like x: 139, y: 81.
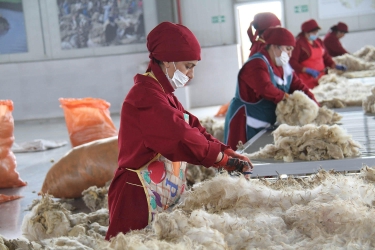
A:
x: 279, y: 36
x: 308, y: 26
x: 261, y: 22
x: 340, y: 27
x: 171, y: 42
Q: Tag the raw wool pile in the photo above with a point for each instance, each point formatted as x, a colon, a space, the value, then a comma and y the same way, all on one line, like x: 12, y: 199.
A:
x: 359, y: 74
x: 308, y: 143
x: 335, y: 91
x: 298, y: 110
x: 368, y: 103
x: 214, y: 127
x: 326, y: 211
x: 195, y: 174
x: 366, y: 53
x: 353, y: 63
x: 96, y: 198
x: 332, y: 78
x: 49, y: 220
x: 18, y: 244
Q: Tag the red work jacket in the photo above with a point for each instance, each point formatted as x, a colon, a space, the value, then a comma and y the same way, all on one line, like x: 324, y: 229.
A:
x: 255, y: 84
x: 152, y: 122
x: 302, y: 52
x: 333, y: 45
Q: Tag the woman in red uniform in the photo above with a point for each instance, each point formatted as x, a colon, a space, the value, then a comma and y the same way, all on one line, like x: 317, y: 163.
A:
x: 332, y: 39
x: 158, y: 136
x: 309, y: 58
x: 261, y: 22
x: 263, y: 81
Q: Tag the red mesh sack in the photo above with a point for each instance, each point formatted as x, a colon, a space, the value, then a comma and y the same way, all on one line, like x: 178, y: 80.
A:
x: 9, y: 177
x: 87, y: 119
x: 90, y: 164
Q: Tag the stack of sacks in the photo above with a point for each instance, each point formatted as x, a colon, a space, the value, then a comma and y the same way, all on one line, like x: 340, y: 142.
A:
x: 366, y: 53
x: 298, y: 110
x: 369, y: 102
x: 324, y: 211
x: 308, y: 143
x: 9, y: 177
x: 337, y: 92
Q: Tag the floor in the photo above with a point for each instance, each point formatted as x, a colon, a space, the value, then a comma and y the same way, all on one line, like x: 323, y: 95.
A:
x: 33, y: 166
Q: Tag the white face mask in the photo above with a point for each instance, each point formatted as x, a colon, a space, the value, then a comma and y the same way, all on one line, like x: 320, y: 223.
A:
x: 179, y: 79
x: 283, y: 59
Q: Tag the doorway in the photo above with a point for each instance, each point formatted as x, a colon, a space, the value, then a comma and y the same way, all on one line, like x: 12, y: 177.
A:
x: 245, y: 13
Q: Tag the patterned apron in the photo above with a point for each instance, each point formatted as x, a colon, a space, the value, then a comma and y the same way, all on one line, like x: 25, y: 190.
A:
x: 163, y: 181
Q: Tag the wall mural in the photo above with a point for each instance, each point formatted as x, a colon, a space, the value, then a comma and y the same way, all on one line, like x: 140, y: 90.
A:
x: 99, y: 23
x: 12, y: 27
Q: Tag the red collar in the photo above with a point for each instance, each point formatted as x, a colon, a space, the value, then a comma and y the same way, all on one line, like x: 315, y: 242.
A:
x: 160, y: 76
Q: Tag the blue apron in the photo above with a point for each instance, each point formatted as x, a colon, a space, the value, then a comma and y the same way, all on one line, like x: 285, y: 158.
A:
x: 261, y: 114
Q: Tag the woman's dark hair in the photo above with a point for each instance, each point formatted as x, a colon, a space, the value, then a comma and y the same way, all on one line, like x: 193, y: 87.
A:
x: 334, y: 28
x: 268, y: 46
x: 316, y: 29
x: 256, y: 26
x: 157, y: 61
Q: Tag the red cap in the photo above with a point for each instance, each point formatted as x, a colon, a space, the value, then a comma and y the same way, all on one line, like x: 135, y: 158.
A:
x: 171, y: 42
x: 265, y: 20
x: 261, y: 22
x: 309, y: 26
x: 342, y: 27
x: 279, y: 36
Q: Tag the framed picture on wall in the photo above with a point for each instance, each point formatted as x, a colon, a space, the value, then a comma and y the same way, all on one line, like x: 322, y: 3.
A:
x: 13, y: 37
x: 100, y: 23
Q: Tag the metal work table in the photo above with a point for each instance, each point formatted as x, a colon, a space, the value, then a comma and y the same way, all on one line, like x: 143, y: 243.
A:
x: 362, y: 128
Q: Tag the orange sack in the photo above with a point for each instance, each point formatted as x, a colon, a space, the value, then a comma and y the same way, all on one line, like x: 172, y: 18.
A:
x: 91, y: 164
x: 222, y: 110
x: 9, y: 177
x: 87, y: 119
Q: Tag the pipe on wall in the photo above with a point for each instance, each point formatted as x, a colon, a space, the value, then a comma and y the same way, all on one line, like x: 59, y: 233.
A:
x: 179, y: 18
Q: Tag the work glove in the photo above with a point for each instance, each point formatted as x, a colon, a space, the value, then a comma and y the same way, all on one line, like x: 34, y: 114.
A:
x: 314, y: 73
x: 230, y: 152
x: 341, y: 67
x: 232, y: 164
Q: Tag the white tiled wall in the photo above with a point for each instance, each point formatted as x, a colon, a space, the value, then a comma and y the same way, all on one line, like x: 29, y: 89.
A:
x: 35, y: 87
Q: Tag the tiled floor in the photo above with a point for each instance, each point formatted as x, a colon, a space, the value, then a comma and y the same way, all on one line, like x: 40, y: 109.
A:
x: 34, y: 166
